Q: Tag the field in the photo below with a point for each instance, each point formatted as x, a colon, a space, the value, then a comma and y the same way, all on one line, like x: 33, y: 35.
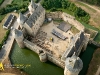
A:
x: 92, y: 10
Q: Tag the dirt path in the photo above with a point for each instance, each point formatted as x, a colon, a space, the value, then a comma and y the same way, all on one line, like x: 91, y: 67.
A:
x: 92, y: 10
x: 6, y: 2
x: 93, y: 7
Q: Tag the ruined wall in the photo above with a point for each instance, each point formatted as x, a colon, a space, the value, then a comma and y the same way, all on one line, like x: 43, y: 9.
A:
x: 50, y: 57
x: 32, y: 46
x: 56, y: 61
x: 68, y: 18
x: 76, y: 45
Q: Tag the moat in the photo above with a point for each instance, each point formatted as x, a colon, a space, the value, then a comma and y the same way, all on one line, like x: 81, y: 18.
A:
x: 26, y: 56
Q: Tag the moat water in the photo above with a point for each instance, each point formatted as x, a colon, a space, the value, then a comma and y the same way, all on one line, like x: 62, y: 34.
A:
x: 28, y: 57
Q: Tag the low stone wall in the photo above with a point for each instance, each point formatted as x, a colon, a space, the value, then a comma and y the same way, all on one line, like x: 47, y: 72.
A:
x: 50, y: 57
x: 68, y: 18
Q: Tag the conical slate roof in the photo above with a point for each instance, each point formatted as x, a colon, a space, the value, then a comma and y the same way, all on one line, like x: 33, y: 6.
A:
x: 74, y: 63
x: 33, y: 4
x: 18, y: 32
x: 21, y: 19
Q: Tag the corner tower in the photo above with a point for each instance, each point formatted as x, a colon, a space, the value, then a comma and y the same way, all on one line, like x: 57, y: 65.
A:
x: 73, y: 65
x: 19, y: 37
x: 32, y: 7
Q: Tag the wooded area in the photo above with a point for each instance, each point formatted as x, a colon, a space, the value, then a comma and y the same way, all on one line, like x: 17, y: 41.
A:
x: 53, y: 5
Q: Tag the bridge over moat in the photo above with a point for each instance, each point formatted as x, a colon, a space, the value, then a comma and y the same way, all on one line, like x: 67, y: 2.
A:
x: 94, y: 43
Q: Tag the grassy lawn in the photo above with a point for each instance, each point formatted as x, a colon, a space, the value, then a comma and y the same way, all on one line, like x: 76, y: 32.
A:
x: 2, y: 17
x: 74, y: 30
x: 3, y: 31
x: 67, y: 11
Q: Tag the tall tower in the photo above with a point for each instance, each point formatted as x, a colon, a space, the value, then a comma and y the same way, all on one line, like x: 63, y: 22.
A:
x: 32, y: 7
x: 73, y: 65
x: 19, y: 37
x: 21, y: 20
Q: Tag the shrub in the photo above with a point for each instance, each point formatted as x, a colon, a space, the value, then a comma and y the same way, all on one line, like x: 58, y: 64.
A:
x: 5, y: 38
x: 1, y: 1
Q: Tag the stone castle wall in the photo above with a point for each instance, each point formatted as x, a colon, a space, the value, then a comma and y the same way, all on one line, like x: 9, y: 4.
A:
x: 56, y: 61
x: 50, y: 57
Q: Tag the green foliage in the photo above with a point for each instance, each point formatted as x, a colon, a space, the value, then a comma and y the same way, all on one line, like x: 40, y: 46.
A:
x: 53, y: 5
x: 48, y: 4
x: 5, y: 38
x: 82, y: 15
x: 1, y: 1
x: 36, y: 1
x: 12, y: 7
x: 53, y: 9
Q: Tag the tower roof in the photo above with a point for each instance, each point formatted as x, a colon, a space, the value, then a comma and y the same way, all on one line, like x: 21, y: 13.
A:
x: 74, y: 63
x: 33, y: 4
x: 18, y: 32
x: 21, y: 19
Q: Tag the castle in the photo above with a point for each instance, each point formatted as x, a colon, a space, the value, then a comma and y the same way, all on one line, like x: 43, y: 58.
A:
x: 29, y: 29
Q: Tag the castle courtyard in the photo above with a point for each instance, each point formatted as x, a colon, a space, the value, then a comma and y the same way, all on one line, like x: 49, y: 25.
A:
x: 51, y: 42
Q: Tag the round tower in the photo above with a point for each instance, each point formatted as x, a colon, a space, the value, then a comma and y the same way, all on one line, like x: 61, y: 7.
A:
x: 32, y: 7
x: 42, y: 56
x: 19, y: 37
x: 73, y: 65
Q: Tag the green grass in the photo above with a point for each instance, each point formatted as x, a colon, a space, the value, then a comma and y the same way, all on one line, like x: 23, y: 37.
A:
x: 74, y: 30
x: 2, y: 17
x: 19, y: 2
x: 66, y: 11
x: 1, y: 1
